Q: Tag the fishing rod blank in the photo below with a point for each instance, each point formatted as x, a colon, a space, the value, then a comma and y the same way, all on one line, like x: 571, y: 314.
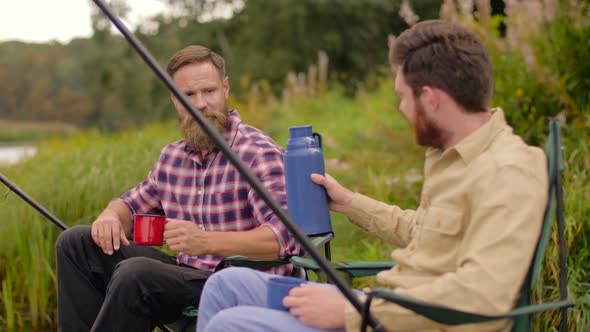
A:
x: 14, y: 188
x: 238, y: 164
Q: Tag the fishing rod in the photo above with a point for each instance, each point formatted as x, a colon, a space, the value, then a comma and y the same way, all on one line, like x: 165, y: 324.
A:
x: 15, y: 189
x: 238, y: 164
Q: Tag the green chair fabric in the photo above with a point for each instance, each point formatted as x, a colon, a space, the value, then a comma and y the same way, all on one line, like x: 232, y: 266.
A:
x: 524, y: 309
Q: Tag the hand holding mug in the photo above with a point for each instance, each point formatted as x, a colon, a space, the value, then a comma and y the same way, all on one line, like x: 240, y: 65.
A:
x: 187, y: 237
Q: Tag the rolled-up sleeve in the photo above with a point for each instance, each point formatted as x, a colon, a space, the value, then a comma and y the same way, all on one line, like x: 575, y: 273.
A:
x: 269, y: 168
x: 145, y: 197
x: 387, y: 222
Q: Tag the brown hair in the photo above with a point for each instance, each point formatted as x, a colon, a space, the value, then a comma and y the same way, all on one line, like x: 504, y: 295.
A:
x: 446, y: 56
x: 195, y: 54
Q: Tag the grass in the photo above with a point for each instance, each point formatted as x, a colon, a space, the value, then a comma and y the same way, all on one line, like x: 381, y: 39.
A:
x: 577, y: 213
x: 368, y: 147
x: 74, y: 179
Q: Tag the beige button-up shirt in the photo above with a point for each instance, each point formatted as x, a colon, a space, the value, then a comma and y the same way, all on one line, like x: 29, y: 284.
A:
x: 470, y: 243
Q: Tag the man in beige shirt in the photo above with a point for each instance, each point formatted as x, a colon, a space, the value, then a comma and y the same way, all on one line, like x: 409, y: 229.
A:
x: 468, y: 245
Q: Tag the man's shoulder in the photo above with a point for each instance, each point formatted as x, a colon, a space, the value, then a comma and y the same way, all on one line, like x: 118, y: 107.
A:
x: 173, y: 150
x: 253, y: 139
x: 511, y: 149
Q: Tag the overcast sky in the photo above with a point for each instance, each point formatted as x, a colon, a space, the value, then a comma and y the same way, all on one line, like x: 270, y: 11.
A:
x: 62, y: 20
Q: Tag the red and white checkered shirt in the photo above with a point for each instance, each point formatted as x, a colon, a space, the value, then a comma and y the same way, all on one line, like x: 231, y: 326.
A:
x: 209, y: 191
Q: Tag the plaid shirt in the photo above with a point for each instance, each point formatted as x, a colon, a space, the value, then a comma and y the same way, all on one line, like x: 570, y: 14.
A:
x: 209, y: 191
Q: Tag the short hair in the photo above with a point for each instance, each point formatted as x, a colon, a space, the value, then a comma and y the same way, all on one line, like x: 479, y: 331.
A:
x: 195, y: 54
x: 447, y: 56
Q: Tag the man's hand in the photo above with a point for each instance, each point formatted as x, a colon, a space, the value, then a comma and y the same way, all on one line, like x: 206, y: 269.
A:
x: 185, y: 236
x: 340, y: 197
x: 108, y: 233
x: 317, y: 306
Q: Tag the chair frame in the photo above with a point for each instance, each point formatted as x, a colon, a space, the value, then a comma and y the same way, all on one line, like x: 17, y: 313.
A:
x: 521, y: 314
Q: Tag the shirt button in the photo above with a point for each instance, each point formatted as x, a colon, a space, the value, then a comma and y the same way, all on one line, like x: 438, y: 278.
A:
x: 200, y: 192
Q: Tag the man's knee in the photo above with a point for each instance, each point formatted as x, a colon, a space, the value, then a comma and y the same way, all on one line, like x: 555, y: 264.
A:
x: 132, y: 271
x: 248, y: 319
x: 225, y: 321
x: 230, y: 275
x: 73, y: 237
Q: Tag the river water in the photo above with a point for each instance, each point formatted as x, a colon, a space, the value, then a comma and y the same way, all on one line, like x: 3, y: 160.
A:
x: 11, y: 154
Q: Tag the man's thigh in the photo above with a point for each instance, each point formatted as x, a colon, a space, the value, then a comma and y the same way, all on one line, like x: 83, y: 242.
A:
x: 156, y: 288
x: 254, y: 319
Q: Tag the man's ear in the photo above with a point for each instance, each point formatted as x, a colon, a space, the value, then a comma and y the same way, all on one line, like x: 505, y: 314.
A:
x: 226, y: 87
x: 430, y: 98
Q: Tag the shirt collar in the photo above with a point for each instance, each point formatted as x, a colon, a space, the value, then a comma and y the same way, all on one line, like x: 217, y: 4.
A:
x: 476, y: 142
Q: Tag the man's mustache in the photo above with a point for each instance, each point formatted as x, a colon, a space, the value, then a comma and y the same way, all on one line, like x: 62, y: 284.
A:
x: 213, y: 116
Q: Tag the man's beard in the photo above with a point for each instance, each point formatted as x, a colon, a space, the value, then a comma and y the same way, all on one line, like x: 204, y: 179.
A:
x: 427, y: 132
x: 194, y: 136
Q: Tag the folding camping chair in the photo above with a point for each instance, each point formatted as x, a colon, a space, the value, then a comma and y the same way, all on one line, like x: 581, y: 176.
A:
x: 524, y: 309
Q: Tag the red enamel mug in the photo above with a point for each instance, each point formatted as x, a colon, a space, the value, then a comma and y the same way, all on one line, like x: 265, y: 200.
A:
x: 148, y: 229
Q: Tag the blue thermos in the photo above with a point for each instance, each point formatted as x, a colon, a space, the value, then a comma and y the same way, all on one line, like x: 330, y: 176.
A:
x: 307, y: 202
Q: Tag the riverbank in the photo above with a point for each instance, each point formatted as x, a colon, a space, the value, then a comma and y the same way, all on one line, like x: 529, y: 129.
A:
x: 16, y: 132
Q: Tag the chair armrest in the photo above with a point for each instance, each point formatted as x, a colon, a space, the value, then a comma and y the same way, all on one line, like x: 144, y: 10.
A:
x: 353, y: 269
x: 320, y: 240
x: 248, y: 262
x: 310, y: 264
x: 450, y: 316
x: 365, y: 269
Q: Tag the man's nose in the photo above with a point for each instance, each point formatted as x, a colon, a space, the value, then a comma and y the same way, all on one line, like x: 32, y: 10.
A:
x: 199, y: 102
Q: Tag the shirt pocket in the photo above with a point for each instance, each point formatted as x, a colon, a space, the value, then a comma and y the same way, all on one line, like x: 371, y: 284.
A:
x: 441, y: 234
x: 227, y: 210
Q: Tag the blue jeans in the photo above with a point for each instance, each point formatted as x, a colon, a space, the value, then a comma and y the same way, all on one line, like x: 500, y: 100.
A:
x: 234, y: 299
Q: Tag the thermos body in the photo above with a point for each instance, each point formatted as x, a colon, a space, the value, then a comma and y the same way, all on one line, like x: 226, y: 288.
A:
x: 307, y: 202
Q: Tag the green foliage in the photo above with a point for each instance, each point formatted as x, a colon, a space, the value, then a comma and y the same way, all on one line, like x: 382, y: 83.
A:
x: 523, y: 98
x: 553, y: 80
x: 577, y: 230
x: 101, y: 82
x: 564, y: 48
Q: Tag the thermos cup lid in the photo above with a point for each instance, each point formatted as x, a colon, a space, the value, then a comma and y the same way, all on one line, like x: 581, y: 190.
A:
x: 301, y: 137
x: 300, y: 131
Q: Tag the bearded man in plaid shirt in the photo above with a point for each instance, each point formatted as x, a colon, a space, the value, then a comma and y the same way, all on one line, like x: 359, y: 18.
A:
x: 107, y: 283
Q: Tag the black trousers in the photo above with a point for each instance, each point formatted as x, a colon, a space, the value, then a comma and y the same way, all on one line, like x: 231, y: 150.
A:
x: 135, y: 289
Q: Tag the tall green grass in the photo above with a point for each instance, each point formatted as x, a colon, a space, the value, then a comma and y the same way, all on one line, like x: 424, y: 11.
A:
x: 74, y: 179
x: 577, y: 230
x: 368, y: 146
